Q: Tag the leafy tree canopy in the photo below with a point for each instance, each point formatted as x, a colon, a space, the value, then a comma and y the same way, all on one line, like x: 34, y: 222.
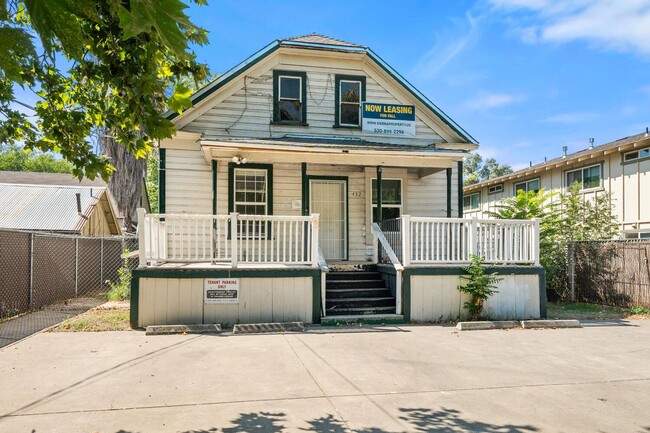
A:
x: 101, y: 65
x: 476, y: 170
x: 14, y: 158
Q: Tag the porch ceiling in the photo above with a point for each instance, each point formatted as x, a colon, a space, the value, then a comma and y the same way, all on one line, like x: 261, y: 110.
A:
x: 330, y: 151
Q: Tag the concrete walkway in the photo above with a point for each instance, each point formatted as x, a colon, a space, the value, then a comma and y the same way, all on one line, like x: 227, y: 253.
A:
x: 371, y: 380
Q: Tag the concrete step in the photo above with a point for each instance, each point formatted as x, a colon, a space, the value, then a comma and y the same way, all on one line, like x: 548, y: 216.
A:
x: 350, y: 284
x: 365, y: 302
x: 359, y: 311
x: 353, y: 275
x: 357, y: 292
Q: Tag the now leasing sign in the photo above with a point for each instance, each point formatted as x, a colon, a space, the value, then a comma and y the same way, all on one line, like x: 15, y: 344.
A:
x: 221, y: 290
x: 388, y: 119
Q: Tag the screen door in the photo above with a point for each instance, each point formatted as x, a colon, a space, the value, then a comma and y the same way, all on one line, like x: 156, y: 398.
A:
x: 328, y: 198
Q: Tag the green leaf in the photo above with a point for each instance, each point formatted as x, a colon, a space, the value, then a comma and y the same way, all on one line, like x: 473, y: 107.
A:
x: 165, y: 17
x: 180, y: 99
x: 15, y: 47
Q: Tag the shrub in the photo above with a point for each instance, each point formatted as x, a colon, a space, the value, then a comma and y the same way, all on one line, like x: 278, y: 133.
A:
x: 120, y: 290
x: 478, y: 285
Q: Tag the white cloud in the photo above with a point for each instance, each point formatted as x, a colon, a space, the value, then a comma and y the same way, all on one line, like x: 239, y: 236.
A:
x: 618, y: 25
x: 485, y: 100
x: 570, y: 118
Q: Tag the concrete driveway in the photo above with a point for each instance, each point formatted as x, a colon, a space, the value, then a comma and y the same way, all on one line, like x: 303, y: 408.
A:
x: 384, y: 379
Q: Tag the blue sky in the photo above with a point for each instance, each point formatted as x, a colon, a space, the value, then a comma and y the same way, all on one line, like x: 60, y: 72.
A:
x: 524, y: 77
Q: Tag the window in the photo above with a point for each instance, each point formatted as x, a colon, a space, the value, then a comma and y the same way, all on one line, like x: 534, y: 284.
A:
x: 637, y: 154
x: 350, y: 93
x: 251, y: 189
x: 471, y: 202
x: 391, y: 199
x: 637, y: 235
x: 495, y: 189
x: 289, y: 97
x: 588, y: 177
x: 527, y: 185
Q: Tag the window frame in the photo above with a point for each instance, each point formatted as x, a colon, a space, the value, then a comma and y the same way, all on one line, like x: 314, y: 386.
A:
x: 373, y: 206
x: 337, y: 99
x: 637, y: 158
x: 527, y: 181
x: 269, y: 187
x: 500, y: 185
x: 582, y: 179
x: 277, y: 75
x: 478, y: 202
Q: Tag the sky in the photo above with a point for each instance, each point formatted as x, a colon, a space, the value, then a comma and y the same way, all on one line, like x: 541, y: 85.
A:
x: 523, y: 77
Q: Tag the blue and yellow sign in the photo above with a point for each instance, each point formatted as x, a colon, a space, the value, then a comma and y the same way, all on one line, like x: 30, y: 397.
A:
x: 388, y: 119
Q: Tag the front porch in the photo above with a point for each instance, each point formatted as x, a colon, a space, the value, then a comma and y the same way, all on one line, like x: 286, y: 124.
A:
x: 282, y: 274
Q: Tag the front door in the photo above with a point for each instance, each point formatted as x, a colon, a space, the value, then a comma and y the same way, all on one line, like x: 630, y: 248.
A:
x: 329, y: 199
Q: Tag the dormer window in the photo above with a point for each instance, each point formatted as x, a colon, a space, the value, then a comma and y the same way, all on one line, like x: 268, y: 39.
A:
x: 350, y: 93
x: 290, y: 97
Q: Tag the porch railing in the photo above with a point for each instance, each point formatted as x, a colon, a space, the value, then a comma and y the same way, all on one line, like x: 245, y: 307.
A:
x: 423, y: 240
x: 230, y: 239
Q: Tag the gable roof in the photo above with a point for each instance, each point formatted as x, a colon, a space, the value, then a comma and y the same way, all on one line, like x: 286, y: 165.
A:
x: 568, y: 159
x: 320, y: 42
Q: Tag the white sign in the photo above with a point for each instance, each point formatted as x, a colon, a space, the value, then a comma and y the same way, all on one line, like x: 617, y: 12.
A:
x: 388, y: 119
x: 221, y: 290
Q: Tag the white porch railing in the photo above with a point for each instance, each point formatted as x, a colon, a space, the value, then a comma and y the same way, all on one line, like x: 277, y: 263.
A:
x: 423, y: 240
x: 233, y: 239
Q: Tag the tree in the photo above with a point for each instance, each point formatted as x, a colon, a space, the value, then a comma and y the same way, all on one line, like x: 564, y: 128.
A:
x: 153, y: 164
x: 476, y: 170
x: 104, y: 67
x: 14, y: 158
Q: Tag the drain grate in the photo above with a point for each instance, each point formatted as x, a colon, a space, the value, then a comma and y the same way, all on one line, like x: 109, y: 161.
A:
x: 262, y: 328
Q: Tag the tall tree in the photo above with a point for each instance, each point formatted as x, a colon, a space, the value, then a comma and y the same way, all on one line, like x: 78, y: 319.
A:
x: 15, y: 158
x: 476, y: 170
x: 103, y: 65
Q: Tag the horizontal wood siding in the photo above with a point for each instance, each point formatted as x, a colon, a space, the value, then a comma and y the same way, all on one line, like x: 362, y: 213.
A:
x: 174, y: 301
x: 436, y: 298
x: 188, y: 178
x: 247, y: 111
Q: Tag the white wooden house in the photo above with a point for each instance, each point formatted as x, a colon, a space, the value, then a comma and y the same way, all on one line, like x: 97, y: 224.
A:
x: 309, y: 158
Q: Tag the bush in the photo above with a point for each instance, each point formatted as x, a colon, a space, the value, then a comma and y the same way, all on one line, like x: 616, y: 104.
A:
x: 120, y: 290
x: 478, y: 285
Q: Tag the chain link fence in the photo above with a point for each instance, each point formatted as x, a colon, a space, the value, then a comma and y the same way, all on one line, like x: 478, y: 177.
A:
x: 46, y: 278
x: 615, y: 272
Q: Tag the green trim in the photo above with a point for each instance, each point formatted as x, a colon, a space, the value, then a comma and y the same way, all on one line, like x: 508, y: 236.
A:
x: 347, y: 205
x: 448, y: 193
x: 135, y: 300
x: 316, y: 297
x: 406, y: 296
x: 380, y: 193
x: 214, y: 186
x: 305, y: 187
x: 162, y: 164
x: 276, y: 96
x: 543, y: 308
x: 337, y: 98
x: 224, y: 273
x: 460, y: 189
x: 269, y: 187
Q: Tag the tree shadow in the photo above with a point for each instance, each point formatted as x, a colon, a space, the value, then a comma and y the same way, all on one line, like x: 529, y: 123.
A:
x: 447, y: 420
x: 262, y: 422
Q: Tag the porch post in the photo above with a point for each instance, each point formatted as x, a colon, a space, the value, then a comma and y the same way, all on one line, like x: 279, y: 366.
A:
x: 378, y: 215
x: 233, y: 239
x: 314, y: 241
x: 142, y: 248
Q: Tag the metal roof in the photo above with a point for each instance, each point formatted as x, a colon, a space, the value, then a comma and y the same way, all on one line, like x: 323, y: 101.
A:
x: 46, y: 207
x: 32, y: 178
x: 320, y: 42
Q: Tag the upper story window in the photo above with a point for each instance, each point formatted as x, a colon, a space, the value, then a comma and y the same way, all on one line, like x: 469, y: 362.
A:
x: 527, y: 185
x: 290, y: 97
x: 350, y: 93
x: 637, y: 154
x: 494, y: 189
x: 471, y: 202
x: 587, y: 177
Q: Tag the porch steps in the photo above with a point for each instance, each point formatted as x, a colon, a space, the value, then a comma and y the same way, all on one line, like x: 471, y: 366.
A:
x: 360, y: 292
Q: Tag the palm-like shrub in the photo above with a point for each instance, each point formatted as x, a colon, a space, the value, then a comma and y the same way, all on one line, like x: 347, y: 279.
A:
x: 479, y: 285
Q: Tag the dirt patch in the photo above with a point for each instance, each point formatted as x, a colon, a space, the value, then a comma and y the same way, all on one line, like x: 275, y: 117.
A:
x: 584, y: 311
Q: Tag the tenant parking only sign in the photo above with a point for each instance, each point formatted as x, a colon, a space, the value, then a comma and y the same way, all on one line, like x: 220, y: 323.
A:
x: 388, y: 119
x: 221, y: 290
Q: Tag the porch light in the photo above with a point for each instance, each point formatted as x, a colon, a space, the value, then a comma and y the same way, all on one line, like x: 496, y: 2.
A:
x: 239, y: 160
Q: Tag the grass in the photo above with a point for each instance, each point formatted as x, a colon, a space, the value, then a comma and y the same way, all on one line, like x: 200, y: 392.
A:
x: 584, y: 311
x: 115, y: 318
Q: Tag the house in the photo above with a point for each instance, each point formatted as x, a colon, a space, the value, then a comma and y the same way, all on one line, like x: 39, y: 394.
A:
x: 621, y: 168
x: 56, y: 203
x: 312, y: 182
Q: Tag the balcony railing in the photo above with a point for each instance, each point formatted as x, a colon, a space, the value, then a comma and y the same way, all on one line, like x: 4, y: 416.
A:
x: 422, y: 240
x: 229, y: 239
